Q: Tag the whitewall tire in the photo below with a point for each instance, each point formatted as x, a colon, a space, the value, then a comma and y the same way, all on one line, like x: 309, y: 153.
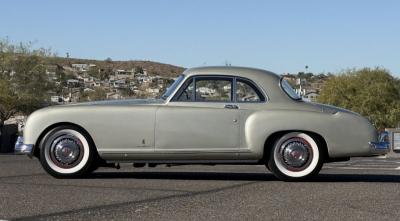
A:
x: 295, y: 156
x: 66, y: 151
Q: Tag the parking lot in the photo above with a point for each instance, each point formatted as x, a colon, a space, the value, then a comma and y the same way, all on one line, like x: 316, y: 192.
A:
x: 361, y: 189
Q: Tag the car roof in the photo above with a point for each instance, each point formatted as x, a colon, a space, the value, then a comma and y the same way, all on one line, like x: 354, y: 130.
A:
x: 232, y: 70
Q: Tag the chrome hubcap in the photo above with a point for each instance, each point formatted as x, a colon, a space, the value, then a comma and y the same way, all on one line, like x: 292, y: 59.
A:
x: 295, y: 154
x: 66, y: 151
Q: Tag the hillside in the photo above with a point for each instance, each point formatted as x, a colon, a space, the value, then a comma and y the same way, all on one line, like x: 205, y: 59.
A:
x: 153, y: 68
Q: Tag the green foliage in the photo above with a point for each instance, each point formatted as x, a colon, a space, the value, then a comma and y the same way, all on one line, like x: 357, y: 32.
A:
x: 373, y: 93
x: 94, y: 72
x: 6, y: 47
x: 139, y: 70
x: 108, y: 60
x: 7, y: 105
x: 97, y: 94
x: 106, y: 73
x: 126, y: 92
x: 305, y: 75
x: 24, y: 85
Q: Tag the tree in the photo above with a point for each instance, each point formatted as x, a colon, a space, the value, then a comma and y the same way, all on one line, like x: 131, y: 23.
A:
x: 7, y: 105
x: 24, y: 85
x: 373, y: 93
x: 106, y: 73
x: 139, y: 70
x: 108, y: 60
x: 94, y: 72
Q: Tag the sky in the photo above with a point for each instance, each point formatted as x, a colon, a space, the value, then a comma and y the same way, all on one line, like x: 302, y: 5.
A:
x: 281, y: 36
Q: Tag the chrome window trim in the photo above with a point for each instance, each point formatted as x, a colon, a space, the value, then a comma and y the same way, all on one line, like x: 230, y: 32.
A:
x: 263, y: 98
x: 284, y: 91
x: 178, y: 91
x: 166, y: 99
x: 178, y: 87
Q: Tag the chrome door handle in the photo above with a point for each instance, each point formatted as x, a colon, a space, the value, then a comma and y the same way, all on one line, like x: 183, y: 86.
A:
x: 231, y: 106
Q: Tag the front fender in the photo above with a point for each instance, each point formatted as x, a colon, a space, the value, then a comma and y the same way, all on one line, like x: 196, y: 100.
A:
x: 112, y: 128
x: 42, y: 119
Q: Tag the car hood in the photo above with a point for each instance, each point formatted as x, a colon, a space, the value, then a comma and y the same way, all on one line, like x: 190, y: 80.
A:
x: 120, y: 102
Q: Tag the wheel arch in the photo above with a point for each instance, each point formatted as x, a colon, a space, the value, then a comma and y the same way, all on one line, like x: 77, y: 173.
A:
x: 271, y: 139
x: 36, y: 151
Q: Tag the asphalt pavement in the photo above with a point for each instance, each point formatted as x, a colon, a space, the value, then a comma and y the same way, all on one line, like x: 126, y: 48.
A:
x: 360, y: 189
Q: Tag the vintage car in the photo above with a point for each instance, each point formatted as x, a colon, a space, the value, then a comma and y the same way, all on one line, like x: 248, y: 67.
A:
x: 209, y: 115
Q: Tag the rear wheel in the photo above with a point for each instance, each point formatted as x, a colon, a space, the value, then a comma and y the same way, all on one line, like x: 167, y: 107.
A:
x: 66, y: 151
x: 295, y: 156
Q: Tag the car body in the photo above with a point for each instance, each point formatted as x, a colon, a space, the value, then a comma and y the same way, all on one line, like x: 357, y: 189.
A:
x: 209, y: 115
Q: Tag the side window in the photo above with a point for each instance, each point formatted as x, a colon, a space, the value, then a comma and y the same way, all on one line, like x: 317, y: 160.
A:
x: 213, y: 89
x: 247, y: 92
x: 187, y: 93
x: 218, y: 89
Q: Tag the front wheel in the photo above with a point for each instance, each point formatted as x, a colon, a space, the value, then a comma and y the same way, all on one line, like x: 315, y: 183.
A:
x: 66, y: 151
x: 295, y: 156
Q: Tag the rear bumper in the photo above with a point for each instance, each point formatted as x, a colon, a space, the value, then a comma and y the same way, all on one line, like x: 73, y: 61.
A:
x: 382, y: 146
x: 23, y: 149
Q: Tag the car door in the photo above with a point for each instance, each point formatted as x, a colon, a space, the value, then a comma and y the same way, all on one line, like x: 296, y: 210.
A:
x: 251, y: 99
x: 201, y: 118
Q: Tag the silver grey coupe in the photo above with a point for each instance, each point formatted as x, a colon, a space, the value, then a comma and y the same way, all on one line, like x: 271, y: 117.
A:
x: 209, y: 115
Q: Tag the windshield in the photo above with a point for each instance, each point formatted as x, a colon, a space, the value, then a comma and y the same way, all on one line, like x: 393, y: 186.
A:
x: 173, y: 86
x: 289, y: 90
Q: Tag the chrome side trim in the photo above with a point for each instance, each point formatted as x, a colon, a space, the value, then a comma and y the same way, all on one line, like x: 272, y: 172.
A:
x: 23, y: 149
x: 150, y: 150
x: 239, y: 162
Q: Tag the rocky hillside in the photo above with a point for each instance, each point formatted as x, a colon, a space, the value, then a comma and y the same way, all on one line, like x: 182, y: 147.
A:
x: 153, y: 68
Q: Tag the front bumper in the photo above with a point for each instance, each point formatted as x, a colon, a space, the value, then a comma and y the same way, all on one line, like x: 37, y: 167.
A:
x: 21, y: 148
x: 382, y: 146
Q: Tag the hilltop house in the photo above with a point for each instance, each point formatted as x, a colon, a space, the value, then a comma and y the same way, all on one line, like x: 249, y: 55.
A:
x: 80, y: 67
x: 153, y: 90
x: 311, y: 96
x: 73, y: 83
x: 123, y: 74
x: 120, y: 83
x: 113, y: 95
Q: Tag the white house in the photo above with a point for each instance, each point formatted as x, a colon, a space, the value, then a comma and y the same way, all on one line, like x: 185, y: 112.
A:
x: 301, y: 81
x: 80, y: 67
x: 144, y: 79
x: 114, y: 95
x: 227, y: 87
x: 123, y: 74
x: 205, y: 90
x: 153, y: 90
x: 120, y: 83
x: 57, y: 99
x: 311, y: 96
x: 88, y: 90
